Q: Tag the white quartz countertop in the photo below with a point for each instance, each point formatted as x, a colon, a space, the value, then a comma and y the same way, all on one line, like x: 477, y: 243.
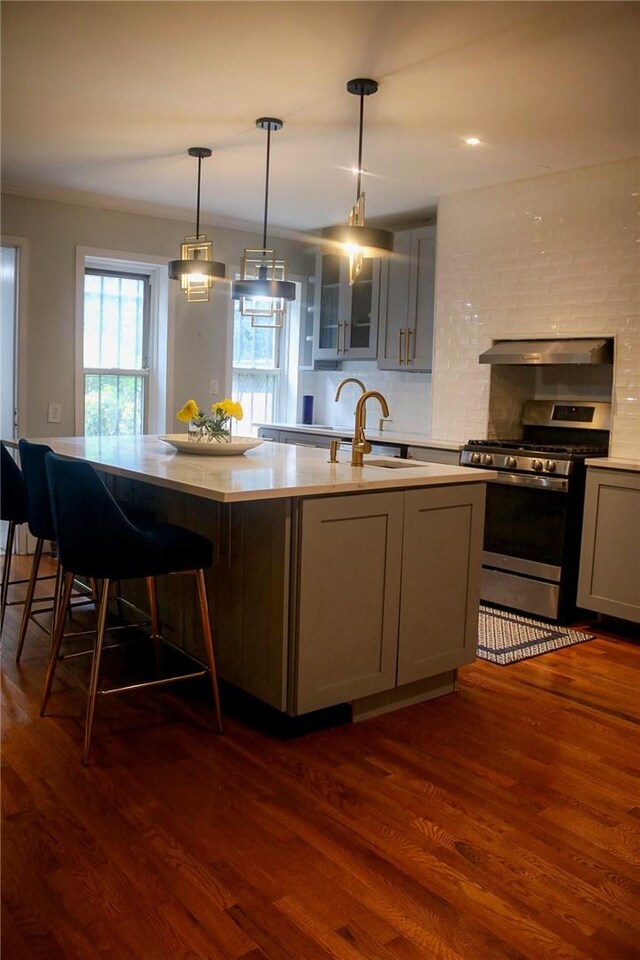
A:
x: 269, y: 471
x: 610, y: 463
x: 375, y: 436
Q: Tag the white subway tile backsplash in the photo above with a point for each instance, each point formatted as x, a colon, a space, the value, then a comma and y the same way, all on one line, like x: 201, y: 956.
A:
x: 551, y: 256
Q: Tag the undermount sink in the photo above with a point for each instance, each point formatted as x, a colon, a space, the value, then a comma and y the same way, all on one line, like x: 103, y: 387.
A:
x: 396, y: 464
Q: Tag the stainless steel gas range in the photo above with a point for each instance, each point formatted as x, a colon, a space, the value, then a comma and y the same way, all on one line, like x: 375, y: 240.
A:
x: 533, y: 518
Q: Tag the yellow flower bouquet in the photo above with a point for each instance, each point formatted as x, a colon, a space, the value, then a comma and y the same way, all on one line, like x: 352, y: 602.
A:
x: 214, y: 427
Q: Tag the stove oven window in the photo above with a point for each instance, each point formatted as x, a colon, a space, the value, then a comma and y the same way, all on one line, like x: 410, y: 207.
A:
x: 526, y: 523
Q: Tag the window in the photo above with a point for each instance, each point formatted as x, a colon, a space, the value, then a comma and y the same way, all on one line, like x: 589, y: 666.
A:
x: 256, y: 368
x: 115, y: 352
x: 264, y: 368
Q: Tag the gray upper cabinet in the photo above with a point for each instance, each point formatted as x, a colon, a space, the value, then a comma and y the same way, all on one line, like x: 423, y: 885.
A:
x: 407, y: 285
x: 346, y: 317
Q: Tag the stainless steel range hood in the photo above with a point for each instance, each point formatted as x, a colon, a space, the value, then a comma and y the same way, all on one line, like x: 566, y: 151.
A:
x: 532, y: 352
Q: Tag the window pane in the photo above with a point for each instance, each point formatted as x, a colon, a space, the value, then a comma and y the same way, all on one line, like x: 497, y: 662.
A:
x: 257, y: 394
x: 254, y: 346
x: 113, y: 321
x: 113, y: 405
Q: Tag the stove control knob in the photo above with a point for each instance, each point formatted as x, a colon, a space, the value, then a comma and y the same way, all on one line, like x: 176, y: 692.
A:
x: 537, y: 465
x: 487, y: 459
x: 510, y: 462
x: 550, y: 466
x: 476, y: 458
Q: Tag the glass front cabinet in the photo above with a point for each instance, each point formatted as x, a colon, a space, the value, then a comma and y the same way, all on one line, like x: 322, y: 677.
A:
x: 346, y: 317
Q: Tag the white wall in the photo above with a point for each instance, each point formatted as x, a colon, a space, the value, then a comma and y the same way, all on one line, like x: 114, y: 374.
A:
x: 53, y: 231
x: 554, y: 256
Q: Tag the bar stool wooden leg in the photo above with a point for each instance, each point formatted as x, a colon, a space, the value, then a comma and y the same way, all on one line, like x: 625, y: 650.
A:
x: 208, y: 644
x: 28, y: 600
x: 57, y: 606
x: 6, y: 570
x: 65, y: 594
x: 155, y: 622
x: 95, y: 670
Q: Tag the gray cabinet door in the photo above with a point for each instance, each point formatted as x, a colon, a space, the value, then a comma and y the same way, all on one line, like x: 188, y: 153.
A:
x: 440, y: 580
x: 305, y: 439
x: 419, y: 346
x: 348, y: 596
x: 346, y: 316
x: 610, y: 558
x: 405, y: 326
x: 268, y: 433
x: 394, y: 302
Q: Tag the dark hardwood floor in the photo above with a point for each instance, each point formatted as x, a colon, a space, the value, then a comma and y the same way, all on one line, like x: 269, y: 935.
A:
x: 499, y: 823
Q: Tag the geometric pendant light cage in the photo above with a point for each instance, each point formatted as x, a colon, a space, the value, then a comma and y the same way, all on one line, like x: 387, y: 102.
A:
x: 196, y: 269
x: 355, y: 239
x: 263, y: 289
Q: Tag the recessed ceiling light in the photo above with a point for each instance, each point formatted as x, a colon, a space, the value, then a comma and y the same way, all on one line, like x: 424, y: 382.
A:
x: 472, y: 141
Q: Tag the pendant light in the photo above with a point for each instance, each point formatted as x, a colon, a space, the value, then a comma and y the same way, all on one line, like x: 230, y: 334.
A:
x: 354, y: 239
x: 196, y: 270
x: 263, y: 290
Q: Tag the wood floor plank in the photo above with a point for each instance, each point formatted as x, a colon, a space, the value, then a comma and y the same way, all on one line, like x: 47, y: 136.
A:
x: 498, y: 823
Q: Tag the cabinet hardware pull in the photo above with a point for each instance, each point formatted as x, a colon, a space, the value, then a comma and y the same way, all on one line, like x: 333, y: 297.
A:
x: 344, y: 336
x: 407, y: 345
x: 400, y: 336
x: 229, y: 554
x: 338, y: 336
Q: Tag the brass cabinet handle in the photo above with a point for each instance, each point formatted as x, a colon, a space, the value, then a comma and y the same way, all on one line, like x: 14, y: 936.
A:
x: 407, y: 345
x: 400, y: 336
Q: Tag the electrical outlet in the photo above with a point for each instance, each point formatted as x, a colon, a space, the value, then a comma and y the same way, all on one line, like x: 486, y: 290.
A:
x: 214, y: 386
x: 54, y: 412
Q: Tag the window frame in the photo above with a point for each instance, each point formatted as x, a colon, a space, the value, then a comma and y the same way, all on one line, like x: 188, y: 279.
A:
x: 160, y: 329
x: 144, y: 370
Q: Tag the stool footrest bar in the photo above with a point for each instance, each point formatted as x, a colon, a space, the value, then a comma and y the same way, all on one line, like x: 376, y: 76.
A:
x: 155, y: 683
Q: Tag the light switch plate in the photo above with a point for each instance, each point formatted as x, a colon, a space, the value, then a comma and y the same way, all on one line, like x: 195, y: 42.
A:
x: 54, y: 412
x: 214, y: 386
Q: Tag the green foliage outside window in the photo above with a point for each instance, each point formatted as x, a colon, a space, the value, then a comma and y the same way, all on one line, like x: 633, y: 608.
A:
x: 113, y: 405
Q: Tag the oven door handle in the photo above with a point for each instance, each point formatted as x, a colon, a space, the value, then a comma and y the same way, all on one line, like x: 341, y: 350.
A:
x: 523, y: 480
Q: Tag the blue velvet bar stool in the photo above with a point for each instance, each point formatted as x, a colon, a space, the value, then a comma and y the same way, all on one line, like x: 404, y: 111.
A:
x: 14, y: 509
x: 96, y: 540
x: 40, y: 523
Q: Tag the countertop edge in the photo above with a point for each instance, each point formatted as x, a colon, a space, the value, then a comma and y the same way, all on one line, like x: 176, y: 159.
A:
x: 614, y: 463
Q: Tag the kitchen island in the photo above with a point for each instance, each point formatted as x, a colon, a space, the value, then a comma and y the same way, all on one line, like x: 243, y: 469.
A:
x: 331, y: 583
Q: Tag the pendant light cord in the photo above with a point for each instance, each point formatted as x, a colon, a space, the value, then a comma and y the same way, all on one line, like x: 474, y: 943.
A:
x: 266, y: 189
x: 198, y: 200
x: 360, y: 146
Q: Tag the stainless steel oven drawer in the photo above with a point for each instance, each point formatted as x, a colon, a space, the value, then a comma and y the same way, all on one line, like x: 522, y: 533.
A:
x: 530, y: 596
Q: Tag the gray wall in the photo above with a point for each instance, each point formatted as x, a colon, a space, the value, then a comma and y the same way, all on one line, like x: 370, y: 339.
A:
x: 53, y: 231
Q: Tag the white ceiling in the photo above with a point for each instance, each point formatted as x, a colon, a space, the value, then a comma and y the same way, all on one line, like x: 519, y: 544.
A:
x: 101, y: 101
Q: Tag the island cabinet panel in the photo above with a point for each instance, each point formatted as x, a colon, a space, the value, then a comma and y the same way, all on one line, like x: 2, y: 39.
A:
x: 388, y: 592
x: 441, y: 558
x: 249, y: 585
x: 348, y: 594
x: 609, y: 579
